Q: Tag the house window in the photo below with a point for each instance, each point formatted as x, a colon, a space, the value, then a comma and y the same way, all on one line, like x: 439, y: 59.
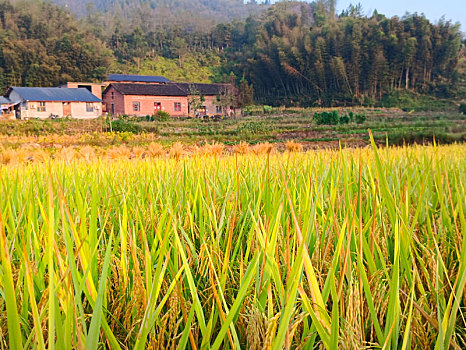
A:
x: 41, y: 107
x: 177, y: 106
x: 219, y: 110
x: 136, y: 106
x: 113, y: 95
x: 89, y: 107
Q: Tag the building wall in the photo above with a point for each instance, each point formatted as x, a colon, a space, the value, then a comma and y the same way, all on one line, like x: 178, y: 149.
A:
x: 211, y: 105
x: 31, y: 112
x: 79, y: 110
x: 96, y: 88
x: 147, y: 105
x: 123, y: 104
x: 117, y: 99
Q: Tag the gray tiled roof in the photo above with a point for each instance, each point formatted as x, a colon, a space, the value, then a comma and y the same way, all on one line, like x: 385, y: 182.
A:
x: 149, y: 89
x: 203, y: 89
x: 171, y: 89
x: 55, y: 94
x: 4, y: 100
x: 138, y: 78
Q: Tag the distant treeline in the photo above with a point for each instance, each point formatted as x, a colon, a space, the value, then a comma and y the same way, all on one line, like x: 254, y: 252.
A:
x: 300, y: 52
x: 291, y: 52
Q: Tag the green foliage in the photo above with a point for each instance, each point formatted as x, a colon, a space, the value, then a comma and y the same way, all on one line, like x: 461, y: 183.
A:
x: 43, y: 45
x: 301, y: 54
x: 326, y: 118
x: 196, y: 67
x: 124, y: 126
x: 462, y: 108
x: 267, y: 109
x: 162, y: 115
x: 333, y: 118
x: 359, y: 118
x: 252, y: 128
x: 338, y: 249
x: 410, y: 101
x: 344, y: 119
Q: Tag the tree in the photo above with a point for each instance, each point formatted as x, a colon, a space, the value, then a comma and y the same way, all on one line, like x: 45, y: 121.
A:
x: 195, y: 100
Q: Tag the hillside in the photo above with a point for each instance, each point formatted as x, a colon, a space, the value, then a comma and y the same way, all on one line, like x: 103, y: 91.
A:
x: 44, y: 45
x: 181, y: 12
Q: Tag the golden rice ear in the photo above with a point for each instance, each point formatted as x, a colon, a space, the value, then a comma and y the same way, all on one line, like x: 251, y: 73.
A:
x: 155, y: 150
x: 263, y: 148
x: 241, y: 148
x: 138, y: 153
x: 292, y: 146
x: 87, y: 153
x: 177, y: 150
x: 40, y: 156
x: 120, y: 152
x: 217, y: 148
x: 8, y: 156
x: 67, y: 154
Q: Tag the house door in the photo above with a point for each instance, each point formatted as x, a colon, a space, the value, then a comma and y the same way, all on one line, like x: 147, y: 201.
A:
x: 66, y: 109
x: 157, y: 106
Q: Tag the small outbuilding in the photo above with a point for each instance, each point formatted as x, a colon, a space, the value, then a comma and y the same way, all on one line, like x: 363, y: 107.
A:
x: 6, y: 108
x: 42, y: 103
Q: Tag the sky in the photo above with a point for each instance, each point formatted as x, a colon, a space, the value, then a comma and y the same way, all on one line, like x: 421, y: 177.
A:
x: 454, y: 10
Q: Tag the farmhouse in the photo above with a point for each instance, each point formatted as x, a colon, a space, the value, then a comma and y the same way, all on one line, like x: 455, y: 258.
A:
x: 145, y: 99
x: 42, y: 103
x: 178, y: 99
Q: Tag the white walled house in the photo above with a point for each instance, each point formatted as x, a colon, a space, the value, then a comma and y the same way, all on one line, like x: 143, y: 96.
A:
x: 43, y: 103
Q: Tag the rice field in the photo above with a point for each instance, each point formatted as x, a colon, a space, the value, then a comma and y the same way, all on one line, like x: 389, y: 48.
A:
x: 349, y: 249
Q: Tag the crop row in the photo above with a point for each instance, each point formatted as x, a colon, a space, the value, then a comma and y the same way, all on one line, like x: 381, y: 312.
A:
x: 360, y: 248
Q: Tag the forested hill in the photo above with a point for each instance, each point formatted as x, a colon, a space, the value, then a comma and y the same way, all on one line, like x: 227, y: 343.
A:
x: 44, y: 45
x: 305, y: 53
x: 300, y: 53
x: 185, y: 13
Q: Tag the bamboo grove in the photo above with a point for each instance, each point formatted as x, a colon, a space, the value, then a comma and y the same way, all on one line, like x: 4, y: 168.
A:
x: 346, y: 249
x: 305, y: 53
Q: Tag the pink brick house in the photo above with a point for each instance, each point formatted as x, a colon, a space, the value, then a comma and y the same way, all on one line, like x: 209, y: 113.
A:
x: 174, y: 98
x: 145, y: 99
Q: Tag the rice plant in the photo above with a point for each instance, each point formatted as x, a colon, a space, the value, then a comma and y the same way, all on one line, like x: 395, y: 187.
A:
x: 348, y: 249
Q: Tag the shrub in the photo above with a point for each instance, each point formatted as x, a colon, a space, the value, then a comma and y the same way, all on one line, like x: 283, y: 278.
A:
x: 462, y: 108
x: 344, y: 119
x: 326, y: 118
x: 360, y: 118
x: 252, y: 128
x: 333, y: 118
x: 121, y: 125
x: 162, y: 115
x: 267, y: 109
